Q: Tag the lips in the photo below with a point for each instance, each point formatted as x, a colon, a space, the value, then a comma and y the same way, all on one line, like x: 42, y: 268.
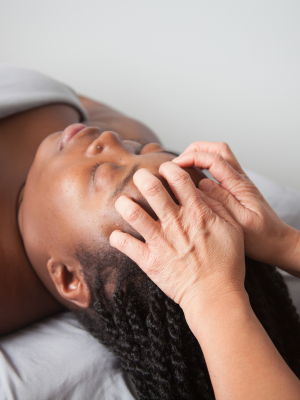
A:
x: 70, y: 132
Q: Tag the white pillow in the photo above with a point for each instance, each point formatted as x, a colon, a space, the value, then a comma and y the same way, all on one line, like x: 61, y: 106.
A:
x: 57, y: 359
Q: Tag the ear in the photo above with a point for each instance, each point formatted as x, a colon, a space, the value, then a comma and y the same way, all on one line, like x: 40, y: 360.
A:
x: 69, y: 281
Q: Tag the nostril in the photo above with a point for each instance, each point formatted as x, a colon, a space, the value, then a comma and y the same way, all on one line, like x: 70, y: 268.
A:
x: 95, y: 147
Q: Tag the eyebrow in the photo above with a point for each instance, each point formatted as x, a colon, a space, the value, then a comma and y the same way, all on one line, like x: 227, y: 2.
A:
x: 130, y: 174
x: 122, y: 184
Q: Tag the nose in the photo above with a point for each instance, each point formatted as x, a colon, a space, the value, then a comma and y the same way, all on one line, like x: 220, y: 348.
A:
x: 107, y: 140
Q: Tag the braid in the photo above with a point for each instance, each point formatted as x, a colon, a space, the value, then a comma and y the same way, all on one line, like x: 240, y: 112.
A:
x: 178, y: 364
x: 148, y: 332
x: 158, y: 338
x: 143, y: 381
x: 189, y: 371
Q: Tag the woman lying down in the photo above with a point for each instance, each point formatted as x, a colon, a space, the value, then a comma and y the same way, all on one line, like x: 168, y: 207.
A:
x: 65, y: 162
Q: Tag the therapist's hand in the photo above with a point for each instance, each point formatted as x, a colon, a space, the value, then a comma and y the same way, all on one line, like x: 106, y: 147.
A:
x: 267, y: 237
x: 193, y: 250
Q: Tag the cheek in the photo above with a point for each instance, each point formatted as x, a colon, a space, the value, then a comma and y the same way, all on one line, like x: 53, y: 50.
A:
x: 110, y: 220
x: 106, y: 176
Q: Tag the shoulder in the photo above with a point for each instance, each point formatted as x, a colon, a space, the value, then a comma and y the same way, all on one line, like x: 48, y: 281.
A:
x: 22, y: 89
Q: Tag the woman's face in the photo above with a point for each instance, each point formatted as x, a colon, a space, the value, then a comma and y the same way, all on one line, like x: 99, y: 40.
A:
x: 72, y: 185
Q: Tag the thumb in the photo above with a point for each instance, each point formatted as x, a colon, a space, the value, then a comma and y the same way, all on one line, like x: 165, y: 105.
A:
x: 218, y: 193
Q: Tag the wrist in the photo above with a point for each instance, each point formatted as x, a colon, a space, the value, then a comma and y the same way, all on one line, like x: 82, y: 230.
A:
x: 287, y: 254
x: 202, y: 307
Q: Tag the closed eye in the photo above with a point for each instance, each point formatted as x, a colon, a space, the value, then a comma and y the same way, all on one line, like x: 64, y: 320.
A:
x: 94, y: 170
x: 96, y: 165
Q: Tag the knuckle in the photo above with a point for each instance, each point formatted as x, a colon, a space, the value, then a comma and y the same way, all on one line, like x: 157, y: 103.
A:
x: 224, y: 147
x: 154, y: 235
x: 171, y: 224
x: 152, y: 188
x: 133, y: 213
x: 203, y: 217
x: 217, y: 158
x: 226, y: 197
x: 180, y: 177
x: 193, y: 202
x: 123, y: 242
x: 194, y: 145
x: 152, y: 265
x: 234, y: 183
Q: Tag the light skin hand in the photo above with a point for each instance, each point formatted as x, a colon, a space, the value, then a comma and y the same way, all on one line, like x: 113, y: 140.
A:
x: 267, y: 237
x: 222, y: 275
x: 185, y: 259
x: 194, y: 252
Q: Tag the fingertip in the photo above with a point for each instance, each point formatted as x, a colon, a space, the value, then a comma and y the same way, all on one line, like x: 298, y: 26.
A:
x: 140, y: 171
x: 179, y: 159
x: 120, y: 202
x: 114, y: 237
x: 166, y: 163
x: 181, y: 156
x: 140, y: 175
x: 165, y: 166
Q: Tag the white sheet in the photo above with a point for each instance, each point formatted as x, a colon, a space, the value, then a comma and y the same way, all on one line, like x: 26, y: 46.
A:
x: 57, y: 359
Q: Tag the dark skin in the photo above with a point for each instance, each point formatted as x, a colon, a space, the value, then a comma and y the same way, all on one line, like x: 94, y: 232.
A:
x: 23, y: 298
x: 38, y: 270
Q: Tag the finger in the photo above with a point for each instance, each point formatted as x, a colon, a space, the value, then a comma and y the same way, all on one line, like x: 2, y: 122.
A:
x: 138, y: 218
x: 130, y: 246
x: 219, y: 148
x: 219, y: 168
x: 180, y: 182
x: 222, y: 196
x: 155, y: 193
x: 219, y: 204
x: 215, y: 148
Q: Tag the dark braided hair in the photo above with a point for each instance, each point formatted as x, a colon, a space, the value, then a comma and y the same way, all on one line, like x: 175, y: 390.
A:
x: 148, y: 332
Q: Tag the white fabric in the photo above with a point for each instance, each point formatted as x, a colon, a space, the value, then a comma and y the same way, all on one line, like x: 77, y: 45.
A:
x: 57, y: 359
x: 284, y: 200
x: 22, y: 89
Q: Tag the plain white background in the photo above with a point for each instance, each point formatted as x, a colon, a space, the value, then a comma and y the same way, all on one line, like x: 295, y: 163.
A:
x: 220, y: 70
